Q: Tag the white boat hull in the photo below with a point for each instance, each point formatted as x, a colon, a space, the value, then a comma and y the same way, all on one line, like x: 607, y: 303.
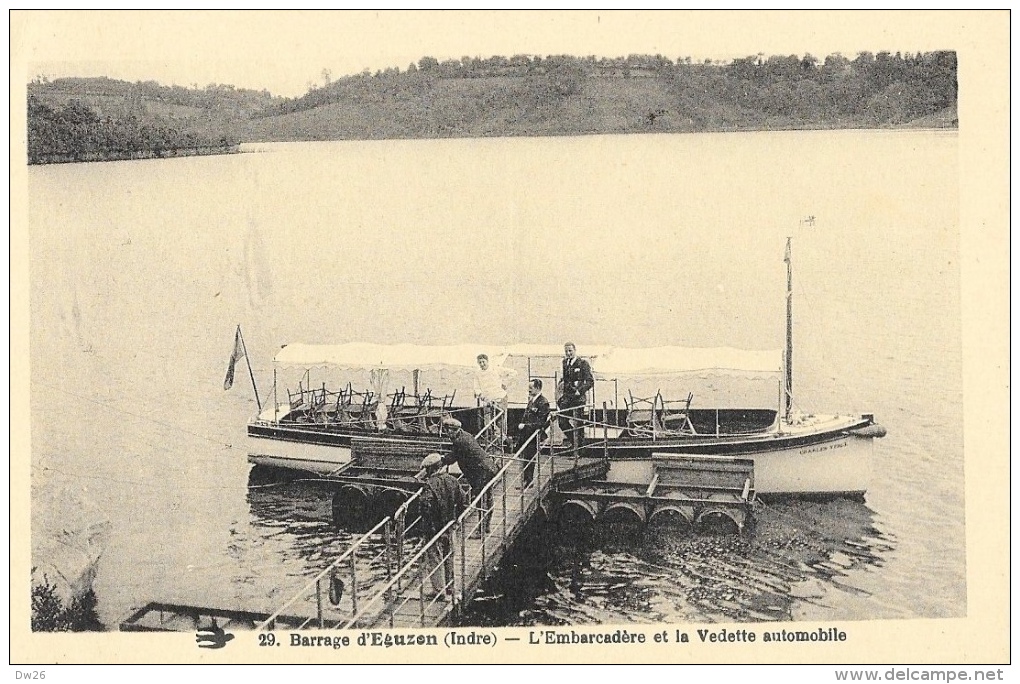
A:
x: 840, y: 466
x: 279, y: 453
x: 816, y: 455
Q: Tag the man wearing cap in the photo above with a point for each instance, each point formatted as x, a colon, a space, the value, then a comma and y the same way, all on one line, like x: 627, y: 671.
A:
x: 442, y: 500
x: 477, y: 465
x: 577, y: 380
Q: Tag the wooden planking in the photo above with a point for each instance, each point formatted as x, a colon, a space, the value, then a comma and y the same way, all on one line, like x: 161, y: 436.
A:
x: 406, y: 611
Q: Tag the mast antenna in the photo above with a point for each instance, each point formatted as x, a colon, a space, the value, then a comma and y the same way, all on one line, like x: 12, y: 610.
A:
x: 789, y: 326
x: 251, y: 373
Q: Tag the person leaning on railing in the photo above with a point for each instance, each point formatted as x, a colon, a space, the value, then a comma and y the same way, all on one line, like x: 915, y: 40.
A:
x: 476, y: 464
x: 442, y: 500
x: 490, y: 389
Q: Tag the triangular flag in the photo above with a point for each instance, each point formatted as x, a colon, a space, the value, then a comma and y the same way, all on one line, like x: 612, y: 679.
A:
x: 235, y: 356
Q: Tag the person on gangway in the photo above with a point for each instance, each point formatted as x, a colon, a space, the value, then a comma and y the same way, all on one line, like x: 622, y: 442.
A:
x: 533, y: 422
x: 476, y: 464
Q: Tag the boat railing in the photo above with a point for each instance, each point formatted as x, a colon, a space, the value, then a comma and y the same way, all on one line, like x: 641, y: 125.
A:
x: 342, y: 581
x: 656, y: 419
x: 582, y: 434
x: 491, y: 436
x: 442, y: 574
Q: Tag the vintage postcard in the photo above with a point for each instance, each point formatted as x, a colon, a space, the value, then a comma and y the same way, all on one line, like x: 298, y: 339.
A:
x: 510, y: 337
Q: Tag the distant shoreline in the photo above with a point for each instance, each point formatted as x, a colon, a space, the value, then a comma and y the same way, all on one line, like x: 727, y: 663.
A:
x: 456, y: 136
x: 236, y: 148
x: 139, y: 154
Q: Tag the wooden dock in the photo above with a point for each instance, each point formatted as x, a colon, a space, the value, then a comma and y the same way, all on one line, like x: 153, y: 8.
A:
x: 401, y: 582
x: 409, y: 581
x: 412, y: 598
x: 393, y: 577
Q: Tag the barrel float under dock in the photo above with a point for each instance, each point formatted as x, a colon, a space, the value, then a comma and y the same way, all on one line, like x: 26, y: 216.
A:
x: 673, y: 517
x: 624, y: 512
x: 388, y: 501
x: 578, y: 512
x: 723, y: 517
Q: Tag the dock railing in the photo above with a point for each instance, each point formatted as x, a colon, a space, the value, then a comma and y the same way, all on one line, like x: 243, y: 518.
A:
x: 490, y: 437
x: 444, y: 572
x: 425, y: 585
x: 342, y: 581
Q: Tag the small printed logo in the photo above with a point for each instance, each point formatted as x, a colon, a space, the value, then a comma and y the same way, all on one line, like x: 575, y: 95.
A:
x: 212, y: 637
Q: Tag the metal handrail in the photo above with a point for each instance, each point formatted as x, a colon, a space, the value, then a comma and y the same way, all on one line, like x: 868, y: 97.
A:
x: 581, y: 421
x: 459, y: 523
x: 502, y: 477
x: 269, y: 622
x: 502, y: 471
x: 402, y: 508
x: 496, y: 419
x: 399, y: 574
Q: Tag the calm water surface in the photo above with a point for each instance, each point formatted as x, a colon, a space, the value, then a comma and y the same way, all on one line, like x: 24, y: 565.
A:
x: 140, y: 270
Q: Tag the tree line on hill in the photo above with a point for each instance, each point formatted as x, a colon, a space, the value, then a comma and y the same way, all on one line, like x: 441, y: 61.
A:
x: 75, y: 119
x: 870, y: 89
x: 86, y: 119
x: 76, y: 132
x: 215, y: 97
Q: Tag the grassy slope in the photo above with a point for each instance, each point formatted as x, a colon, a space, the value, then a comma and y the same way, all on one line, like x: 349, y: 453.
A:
x: 483, y: 107
x: 515, y: 107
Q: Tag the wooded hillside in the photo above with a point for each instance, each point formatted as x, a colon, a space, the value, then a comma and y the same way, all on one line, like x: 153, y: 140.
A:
x: 504, y: 96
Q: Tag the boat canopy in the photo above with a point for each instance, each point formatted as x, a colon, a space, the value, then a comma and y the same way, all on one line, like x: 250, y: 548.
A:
x: 619, y: 371
x: 621, y: 361
x: 362, y: 355
x: 588, y: 351
x: 607, y: 361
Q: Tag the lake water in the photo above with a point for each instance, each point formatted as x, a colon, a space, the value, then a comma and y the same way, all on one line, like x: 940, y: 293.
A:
x: 141, y: 270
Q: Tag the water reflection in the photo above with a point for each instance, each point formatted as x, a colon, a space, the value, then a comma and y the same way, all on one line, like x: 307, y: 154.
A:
x: 566, y: 573
x: 279, y: 497
x: 292, y: 523
x: 798, y: 552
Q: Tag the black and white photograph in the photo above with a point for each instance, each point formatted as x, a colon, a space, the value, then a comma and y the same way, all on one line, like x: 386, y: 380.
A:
x: 517, y: 337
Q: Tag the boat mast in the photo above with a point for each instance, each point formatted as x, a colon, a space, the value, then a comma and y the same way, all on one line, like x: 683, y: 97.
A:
x: 789, y: 328
x: 251, y: 373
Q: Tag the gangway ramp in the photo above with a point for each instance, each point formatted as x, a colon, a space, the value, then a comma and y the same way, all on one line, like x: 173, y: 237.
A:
x: 401, y: 584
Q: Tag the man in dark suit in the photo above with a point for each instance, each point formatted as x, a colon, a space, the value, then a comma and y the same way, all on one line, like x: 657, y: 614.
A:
x: 534, y: 422
x: 577, y: 380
